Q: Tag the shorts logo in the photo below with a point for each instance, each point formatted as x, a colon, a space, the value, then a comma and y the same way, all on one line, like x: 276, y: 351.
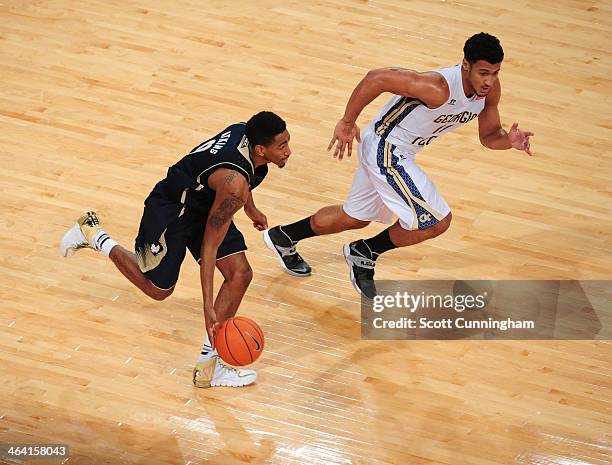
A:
x: 156, y: 248
x: 425, y: 218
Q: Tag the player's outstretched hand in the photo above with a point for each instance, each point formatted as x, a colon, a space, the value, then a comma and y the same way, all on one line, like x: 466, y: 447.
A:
x: 520, y: 139
x: 344, y: 133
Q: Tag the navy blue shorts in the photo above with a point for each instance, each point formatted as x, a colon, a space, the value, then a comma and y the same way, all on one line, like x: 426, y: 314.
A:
x: 166, y: 233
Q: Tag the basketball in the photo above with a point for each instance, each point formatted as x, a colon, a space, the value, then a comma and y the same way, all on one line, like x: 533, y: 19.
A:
x: 239, y: 341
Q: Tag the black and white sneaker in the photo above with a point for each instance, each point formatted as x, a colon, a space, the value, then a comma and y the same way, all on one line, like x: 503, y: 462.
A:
x: 290, y: 260
x: 361, y: 269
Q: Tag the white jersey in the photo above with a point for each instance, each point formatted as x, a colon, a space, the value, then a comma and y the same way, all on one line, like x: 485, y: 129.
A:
x: 410, y: 125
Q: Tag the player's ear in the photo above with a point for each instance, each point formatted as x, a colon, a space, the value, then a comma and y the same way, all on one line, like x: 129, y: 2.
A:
x: 259, y: 151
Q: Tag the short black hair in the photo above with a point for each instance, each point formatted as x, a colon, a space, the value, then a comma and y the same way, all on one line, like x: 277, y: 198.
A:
x: 263, y: 127
x: 483, y: 46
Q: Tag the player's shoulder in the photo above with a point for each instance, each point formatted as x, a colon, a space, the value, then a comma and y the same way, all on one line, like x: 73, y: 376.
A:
x: 238, y: 127
x: 228, y: 178
x: 233, y: 139
x: 436, y: 86
x: 236, y: 150
x: 233, y: 131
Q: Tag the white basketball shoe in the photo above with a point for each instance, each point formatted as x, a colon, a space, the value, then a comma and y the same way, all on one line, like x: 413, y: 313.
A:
x: 81, y: 235
x: 213, y: 372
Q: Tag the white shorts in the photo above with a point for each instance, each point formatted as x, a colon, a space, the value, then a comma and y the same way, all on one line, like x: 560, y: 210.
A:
x: 389, y: 184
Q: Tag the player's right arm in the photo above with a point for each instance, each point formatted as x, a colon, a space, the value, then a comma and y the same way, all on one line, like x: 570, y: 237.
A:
x: 429, y: 87
x: 231, y: 193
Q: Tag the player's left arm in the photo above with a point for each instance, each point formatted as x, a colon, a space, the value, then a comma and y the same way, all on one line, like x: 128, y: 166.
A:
x: 490, y: 130
x: 260, y: 221
x: 231, y: 191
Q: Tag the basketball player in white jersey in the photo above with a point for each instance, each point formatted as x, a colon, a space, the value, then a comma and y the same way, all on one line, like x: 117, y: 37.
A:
x: 388, y: 182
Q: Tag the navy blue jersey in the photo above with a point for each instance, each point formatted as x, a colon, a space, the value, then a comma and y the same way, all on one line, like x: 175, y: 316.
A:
x: 185, y: 189
x: 186, y: 182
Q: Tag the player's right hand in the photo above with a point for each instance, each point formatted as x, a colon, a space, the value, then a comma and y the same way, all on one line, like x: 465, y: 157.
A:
x: 344, y: 133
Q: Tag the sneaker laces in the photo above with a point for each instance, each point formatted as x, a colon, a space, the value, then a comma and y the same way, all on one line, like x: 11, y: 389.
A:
x: 363, y: 273
x: 92, y: 219
x: 225, y: 367
x: 294, y: 258
x: 286, y: 251
x: 289, y: 252
x: 359, y: 260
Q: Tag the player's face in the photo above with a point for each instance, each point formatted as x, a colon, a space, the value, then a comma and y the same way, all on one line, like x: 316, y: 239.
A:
x: 278, y: 151
x: 482, y: 76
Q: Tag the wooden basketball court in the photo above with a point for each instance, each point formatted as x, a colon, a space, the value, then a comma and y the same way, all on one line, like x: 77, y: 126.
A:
x: 98, y: 98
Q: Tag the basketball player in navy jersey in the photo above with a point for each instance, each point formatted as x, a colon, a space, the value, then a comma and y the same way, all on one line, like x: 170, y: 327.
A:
x: 388, y: 183
x: 192, y: 208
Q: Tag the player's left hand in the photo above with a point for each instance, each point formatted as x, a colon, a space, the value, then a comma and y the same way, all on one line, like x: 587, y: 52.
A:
x: 260, y: 221
x: 520, y: 139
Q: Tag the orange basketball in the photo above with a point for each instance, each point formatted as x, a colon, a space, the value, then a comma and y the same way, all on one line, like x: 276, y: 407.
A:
x: 239, y: 341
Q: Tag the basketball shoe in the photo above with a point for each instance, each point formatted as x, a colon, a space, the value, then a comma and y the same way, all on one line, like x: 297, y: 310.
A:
x: 81, y: 235
x: 361, y: 268
x: 213, y: 372
x: 290, y: 260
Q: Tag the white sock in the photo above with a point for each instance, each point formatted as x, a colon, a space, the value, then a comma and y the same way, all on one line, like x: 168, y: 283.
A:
x: 207, y: 351
x: 102, y: 241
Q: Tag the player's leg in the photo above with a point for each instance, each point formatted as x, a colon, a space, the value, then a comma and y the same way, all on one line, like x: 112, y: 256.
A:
x: 159, y: 278
x: 402, y: 237
x: 361, y: 255
x: 210, y: 371
x: 127, y: 264
x: 237, y: 274
x: 333, y: 219
x: 409, y: 194
x: 361, y: 207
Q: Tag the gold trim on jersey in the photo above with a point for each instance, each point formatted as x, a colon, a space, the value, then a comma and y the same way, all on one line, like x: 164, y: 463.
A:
x: 394, y: 113
x: 149, y: 260
x: 243, y: 148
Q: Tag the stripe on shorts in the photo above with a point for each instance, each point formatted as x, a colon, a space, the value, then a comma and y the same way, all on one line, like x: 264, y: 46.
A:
x: 424, y: 215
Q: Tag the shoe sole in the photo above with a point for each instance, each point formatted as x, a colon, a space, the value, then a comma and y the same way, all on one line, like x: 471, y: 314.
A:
x: 346, y: 251
x: 208, y: 384
x: 202, y: 383
x: 222, y: 384
x: 270, y: 245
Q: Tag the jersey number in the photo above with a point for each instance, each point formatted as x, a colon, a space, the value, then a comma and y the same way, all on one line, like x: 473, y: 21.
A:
x: 205, y: 146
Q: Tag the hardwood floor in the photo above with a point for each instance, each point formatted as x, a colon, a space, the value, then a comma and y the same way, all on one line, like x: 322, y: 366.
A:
x: 98, y: 98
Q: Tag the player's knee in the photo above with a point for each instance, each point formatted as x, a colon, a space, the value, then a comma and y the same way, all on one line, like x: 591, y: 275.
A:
x: 446, y: 221
x: 442, y: 225
x: 247, y: 275
x: 354, y: 223
x: 159, y: 294
x: 242, y: 275
x: 358, y: 224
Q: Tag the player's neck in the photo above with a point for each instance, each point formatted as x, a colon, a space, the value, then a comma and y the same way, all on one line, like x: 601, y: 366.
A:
x: 259, y: 161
